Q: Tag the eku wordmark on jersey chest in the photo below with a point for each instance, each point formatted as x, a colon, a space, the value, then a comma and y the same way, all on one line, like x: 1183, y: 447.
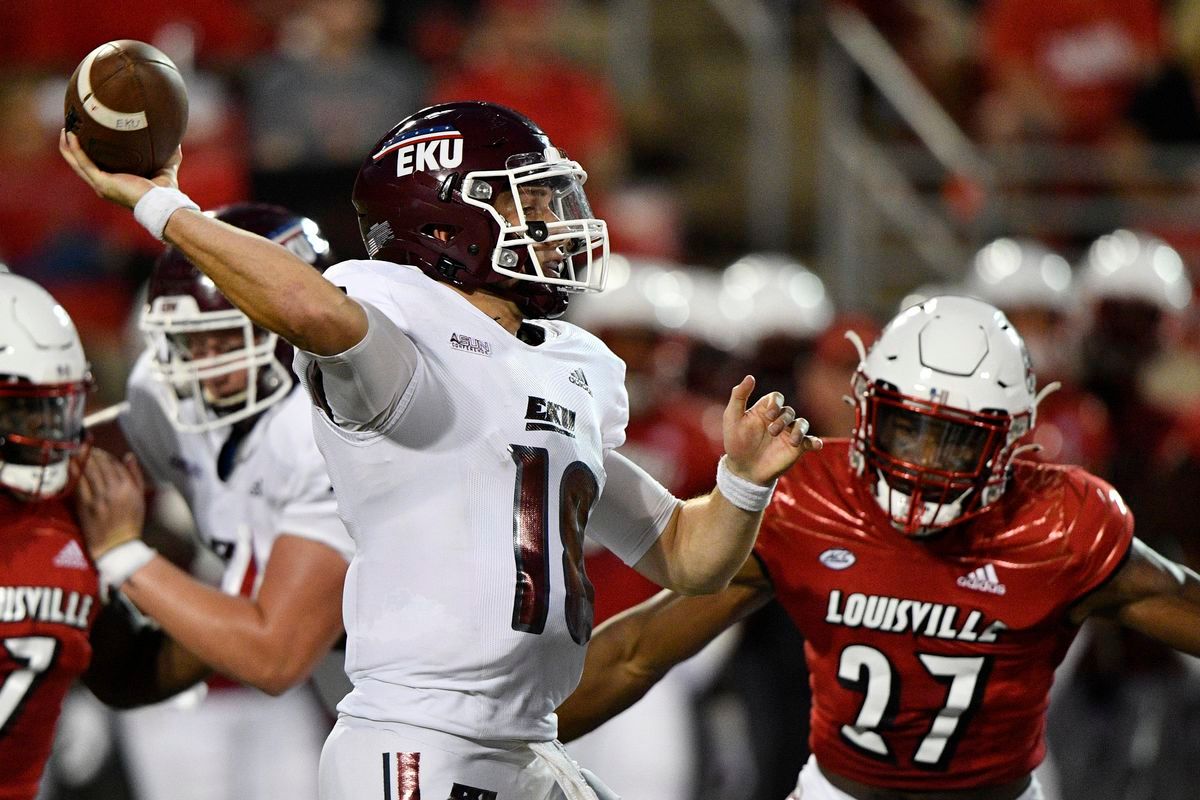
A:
x: 545, y: 415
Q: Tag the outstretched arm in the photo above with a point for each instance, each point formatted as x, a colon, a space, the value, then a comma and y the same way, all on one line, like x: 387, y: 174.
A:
x: 272, y: 641
x: 275, y: 288
x: 1152, y: 595
x: 708, y: 538
x: 632, y: 651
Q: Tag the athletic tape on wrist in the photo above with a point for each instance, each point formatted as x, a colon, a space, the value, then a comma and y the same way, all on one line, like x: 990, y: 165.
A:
x: 118, y: 565
x: 744, y: 494
x: 156, y: 207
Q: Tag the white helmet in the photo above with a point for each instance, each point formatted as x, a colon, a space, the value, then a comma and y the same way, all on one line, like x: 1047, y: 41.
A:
x: 922, y: 292
x: 770, y: 294
x: 942, y: 399
x: 707, y: 323
x: 1127, y: 265
x: 642, y: 316
x: 1020, y: 273
x: 641, y: 294
x: 44, y: 379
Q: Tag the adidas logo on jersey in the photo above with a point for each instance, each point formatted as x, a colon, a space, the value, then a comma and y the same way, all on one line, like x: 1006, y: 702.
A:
x: 71, y: 557
x: 983, y: 579
x: 579, y: 379
x: 460, y: 341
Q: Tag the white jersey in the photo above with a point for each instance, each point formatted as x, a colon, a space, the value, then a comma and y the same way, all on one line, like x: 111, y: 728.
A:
x: 467, y: 609
x: 277, y: 485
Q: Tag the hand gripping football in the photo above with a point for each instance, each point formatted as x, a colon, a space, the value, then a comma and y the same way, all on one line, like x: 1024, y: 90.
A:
x: 128, y: 105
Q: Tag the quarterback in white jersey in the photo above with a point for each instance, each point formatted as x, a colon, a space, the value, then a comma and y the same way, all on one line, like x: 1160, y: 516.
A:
x: 467, y: 497
x: 470, y: 438
x: 214, y: 413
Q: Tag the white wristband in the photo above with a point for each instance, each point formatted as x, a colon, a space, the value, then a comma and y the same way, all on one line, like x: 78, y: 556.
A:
x: 744, y: 494
x: 157, y: 206
x: 118, y: 565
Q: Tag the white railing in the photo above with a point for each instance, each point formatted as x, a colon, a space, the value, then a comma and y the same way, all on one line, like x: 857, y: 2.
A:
x: 885, y: 226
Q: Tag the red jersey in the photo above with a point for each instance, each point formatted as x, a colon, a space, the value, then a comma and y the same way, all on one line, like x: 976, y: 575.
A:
x: 49, y: 597
x: 931, y: 659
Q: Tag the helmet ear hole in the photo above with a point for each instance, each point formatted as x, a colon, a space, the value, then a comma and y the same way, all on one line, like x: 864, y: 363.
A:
x: 443, y: 233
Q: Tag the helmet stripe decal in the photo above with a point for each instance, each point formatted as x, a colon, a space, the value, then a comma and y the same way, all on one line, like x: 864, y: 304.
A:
x: 412, y: 137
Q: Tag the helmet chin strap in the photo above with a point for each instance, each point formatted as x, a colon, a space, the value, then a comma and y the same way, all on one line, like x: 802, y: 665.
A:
x: 266, y: 373
x: 933, y: 517
x: 35, y: 481
x: 225, y: 403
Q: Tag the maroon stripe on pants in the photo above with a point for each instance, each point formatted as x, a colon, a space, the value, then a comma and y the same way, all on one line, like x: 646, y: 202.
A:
x: 408, y: 776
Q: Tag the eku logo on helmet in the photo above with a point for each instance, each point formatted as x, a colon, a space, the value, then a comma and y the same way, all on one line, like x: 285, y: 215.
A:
x: 435, y: 147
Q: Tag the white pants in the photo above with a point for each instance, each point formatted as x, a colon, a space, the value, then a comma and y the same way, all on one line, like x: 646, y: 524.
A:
x: 368, y: 760
x: 234, y: 744
x: 812, y: 785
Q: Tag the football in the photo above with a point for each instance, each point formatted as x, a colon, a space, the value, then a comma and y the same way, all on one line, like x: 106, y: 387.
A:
x: 128, y: 105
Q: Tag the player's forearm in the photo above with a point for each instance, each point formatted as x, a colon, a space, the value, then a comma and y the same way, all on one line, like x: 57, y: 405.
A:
x: 1171, y: 615
x: 275, y: 288
x: 631, y: 652
x: 709, y: 541
x: 621, y: 666
x: 231, y: 634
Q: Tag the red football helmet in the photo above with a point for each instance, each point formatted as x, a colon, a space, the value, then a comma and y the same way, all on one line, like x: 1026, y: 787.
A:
x: 475, y: 195
x: 197, y: 335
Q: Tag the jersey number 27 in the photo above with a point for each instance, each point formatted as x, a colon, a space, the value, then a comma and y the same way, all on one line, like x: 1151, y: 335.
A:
x: 867, y: 670
x: 577, y: 490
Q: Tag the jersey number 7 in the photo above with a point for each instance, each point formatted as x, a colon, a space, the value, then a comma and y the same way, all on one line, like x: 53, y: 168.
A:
x: 577, y: 490
x: 36, y: 655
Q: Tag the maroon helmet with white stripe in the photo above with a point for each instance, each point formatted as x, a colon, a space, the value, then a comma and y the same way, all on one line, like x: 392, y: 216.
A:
x: 439, y: 192
x: 184, y: 307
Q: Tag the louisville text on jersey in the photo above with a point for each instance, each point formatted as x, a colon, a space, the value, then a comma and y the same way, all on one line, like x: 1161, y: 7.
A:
x: 901, y: 615
x: 44, y: 604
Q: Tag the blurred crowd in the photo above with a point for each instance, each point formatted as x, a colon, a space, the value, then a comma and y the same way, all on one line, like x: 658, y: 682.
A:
x: 287, y: 96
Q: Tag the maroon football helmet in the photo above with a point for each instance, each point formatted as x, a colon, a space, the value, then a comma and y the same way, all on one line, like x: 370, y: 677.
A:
x: 475, y: 195
x: 196, y: 335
